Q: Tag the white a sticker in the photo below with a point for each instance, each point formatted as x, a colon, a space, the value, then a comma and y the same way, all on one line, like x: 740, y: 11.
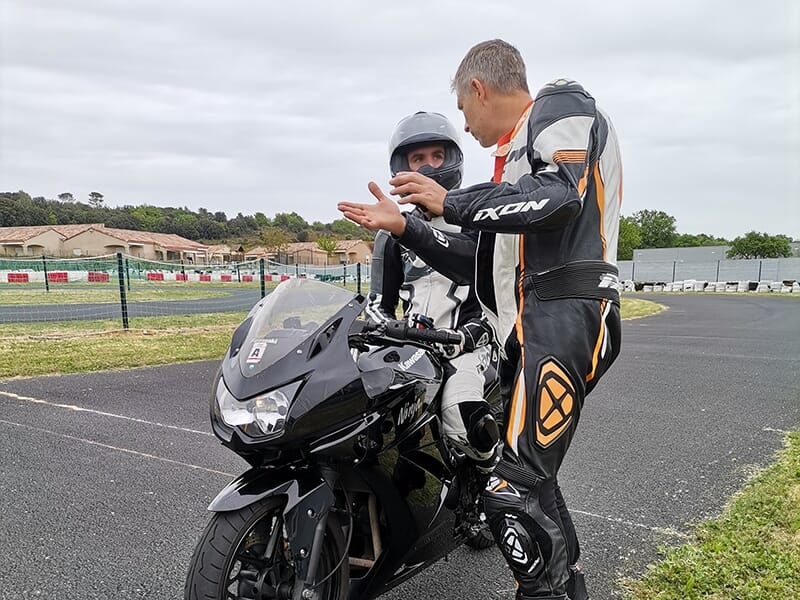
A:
x: 257, y: 351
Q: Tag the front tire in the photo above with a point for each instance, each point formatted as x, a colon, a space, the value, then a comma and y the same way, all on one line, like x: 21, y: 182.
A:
x: 243, y: 555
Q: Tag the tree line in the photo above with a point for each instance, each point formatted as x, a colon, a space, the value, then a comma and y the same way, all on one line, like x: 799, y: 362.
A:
x: 656, y: 229
x: 20, y: 209
x: 643, y: 229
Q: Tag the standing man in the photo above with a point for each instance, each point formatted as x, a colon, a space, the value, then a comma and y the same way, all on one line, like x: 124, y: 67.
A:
x: 427, y: 142
x: 545, y: 274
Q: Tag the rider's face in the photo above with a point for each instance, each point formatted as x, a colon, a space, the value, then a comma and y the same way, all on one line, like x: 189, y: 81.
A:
x: 432, y: 155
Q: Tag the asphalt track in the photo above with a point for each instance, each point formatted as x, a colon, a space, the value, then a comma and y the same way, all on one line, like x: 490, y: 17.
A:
x: 104, y: 478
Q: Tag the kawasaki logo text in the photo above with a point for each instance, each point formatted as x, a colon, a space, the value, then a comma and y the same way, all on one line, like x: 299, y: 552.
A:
x: 509, y: 209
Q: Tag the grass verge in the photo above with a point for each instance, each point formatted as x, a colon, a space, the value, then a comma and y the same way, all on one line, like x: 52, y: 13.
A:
x: 119, y: 350
x: 751, y: 552
x: 634, y: 308
x: 179, y: 324
x: 32, y: 349
x: 105, y: 296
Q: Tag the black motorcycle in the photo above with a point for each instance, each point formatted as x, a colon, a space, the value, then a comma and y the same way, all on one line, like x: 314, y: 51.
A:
x: 339, y: 419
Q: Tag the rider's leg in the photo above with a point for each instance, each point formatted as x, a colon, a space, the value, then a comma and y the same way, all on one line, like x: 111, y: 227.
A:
x: 466, y: 417
x: 468, y: 424
x: 573, y: 546
x: 528, y: 530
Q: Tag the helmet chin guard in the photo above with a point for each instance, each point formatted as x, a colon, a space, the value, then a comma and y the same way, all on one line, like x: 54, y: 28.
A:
x: 449, y: 178
x: 423, y: 128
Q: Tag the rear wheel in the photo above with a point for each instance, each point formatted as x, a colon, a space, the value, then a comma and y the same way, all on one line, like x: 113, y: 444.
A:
x: 244, y: 555
x: 480, y: 537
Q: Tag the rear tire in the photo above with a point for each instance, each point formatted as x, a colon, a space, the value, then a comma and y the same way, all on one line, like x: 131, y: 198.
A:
x: 481, y: 539
x: 243, y: 555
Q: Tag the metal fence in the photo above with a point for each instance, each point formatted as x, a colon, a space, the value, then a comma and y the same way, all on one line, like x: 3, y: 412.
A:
x: 63, y: 270
x: 767, y: 269
x: 118, y: 286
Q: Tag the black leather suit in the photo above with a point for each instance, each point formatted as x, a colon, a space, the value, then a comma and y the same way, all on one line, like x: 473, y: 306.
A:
x: 543, y: 235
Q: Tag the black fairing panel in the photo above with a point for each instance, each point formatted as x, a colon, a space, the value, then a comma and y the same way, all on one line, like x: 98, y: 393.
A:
x: 327, y: 399
x: 331, y: 356
x: 255, y: 484
x: 404, y: 360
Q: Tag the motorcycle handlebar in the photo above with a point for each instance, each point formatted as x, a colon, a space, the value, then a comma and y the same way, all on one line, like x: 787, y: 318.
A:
x: 400, y: 330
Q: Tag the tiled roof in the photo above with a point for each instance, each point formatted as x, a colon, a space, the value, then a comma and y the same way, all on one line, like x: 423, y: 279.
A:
x: 22, y: 234
x: 341, y: 246
x: 167, y: 240
x: 344, y: 245
x: 301, y: 246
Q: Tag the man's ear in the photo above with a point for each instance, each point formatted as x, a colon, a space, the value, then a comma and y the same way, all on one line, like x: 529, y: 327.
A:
x: 479, y: 89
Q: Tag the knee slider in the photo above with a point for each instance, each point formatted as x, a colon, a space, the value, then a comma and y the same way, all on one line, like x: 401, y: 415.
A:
x: 513, y: 534
x: 483, y: 433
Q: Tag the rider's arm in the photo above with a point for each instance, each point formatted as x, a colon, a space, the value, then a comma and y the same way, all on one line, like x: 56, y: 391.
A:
x: 386, y: 278
x: 450, y: 253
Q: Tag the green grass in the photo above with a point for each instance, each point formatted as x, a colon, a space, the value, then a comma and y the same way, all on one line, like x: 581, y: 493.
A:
x: 31, y: 349
x: 138, y: 325
x: 751, y: 552
x: 634, y: 308
x: 103, y: 295
x: 27, y: 358
x: 712, y: 294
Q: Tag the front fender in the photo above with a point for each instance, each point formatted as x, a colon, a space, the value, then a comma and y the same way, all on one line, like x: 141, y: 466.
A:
x: 256, y: 484
x: 309, y: 499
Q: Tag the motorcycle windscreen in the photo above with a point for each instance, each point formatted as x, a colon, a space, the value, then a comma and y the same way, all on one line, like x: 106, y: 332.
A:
x: 286, y: 318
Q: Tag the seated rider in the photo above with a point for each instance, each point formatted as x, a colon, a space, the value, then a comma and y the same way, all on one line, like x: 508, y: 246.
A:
x: 428, y: 142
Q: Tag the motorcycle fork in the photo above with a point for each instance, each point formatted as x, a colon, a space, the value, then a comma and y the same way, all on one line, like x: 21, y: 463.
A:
x: 305, y: 528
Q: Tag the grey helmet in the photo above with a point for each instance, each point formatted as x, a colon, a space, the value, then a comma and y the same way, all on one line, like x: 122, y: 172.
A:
x: 422, y: 128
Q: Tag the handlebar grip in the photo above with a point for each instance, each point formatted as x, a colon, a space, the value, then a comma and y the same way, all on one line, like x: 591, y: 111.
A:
x: 400, y: 330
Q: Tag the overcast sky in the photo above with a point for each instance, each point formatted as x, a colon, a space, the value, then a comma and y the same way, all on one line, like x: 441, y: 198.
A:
x: 257, y: 106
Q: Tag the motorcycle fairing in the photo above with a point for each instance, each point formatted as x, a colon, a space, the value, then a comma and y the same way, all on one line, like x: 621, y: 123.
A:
x: 323, y: 401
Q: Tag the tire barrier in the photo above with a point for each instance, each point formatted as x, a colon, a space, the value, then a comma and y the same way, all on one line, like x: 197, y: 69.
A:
x: 786, y: 286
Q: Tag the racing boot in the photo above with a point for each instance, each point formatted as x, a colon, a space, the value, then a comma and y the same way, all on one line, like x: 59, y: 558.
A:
x: 576, y: 584
x: 469, y: 481
x: 472, y: 475
x: 576, y: 588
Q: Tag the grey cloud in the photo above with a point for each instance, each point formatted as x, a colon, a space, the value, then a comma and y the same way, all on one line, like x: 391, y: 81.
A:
x: 246, y: 106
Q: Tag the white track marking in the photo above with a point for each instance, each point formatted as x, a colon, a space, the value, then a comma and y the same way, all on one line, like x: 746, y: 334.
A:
x: 99, y: 412
x: 662, y: 530
x: 116, y: 448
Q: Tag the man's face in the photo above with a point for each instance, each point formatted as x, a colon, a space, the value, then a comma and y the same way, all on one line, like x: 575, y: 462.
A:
x: 474, y: 118
x: 432, y: 154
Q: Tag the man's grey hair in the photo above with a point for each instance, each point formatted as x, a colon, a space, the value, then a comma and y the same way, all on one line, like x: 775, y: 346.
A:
x: 495, y: 63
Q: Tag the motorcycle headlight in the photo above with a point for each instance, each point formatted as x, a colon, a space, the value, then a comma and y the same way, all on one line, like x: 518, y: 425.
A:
x: 267, y: 411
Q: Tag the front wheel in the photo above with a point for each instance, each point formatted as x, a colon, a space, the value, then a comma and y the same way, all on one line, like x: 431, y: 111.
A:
x: 244, y: 555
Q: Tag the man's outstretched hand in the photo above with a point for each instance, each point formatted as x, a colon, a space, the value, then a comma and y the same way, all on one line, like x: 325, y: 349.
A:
x: 416, y: 188
x: 413, y: 188
x: 382, y: 215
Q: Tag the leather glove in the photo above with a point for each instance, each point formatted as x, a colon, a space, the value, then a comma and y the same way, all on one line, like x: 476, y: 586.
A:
x: 476, y: 333
x: 450, y: 351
